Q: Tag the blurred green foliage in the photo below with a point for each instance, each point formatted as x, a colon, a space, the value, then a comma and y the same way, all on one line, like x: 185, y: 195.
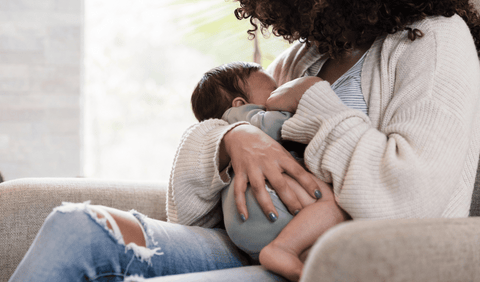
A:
x: 211, y: 27
x: 143, y: 59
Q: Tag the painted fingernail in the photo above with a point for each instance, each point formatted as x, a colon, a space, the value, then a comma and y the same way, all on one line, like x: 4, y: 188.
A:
x: 242, y: 217
x: 318, y: 194
x: 272, y: 217
x: 296, y: 212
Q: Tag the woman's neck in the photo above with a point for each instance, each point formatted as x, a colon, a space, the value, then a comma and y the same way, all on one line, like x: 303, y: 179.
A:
x: 332, y: 69
x: 353, y: 54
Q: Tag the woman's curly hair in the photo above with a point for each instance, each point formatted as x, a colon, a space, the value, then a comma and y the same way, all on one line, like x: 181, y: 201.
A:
x: 325, y: 21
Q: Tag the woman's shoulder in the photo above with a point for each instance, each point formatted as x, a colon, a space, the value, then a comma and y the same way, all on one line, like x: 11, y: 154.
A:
x: 435, y: 28
x: 444, y: 28
x: 441, y: 23
x: 288, y: 54
x: 285, y: 65
x: 440, y: 36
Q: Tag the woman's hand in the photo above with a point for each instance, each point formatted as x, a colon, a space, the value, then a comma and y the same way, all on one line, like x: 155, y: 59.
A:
x: 255, y: 158
x: 287, y: 96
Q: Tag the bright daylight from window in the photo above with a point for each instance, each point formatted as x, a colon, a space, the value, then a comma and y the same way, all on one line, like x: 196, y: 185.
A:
x: 142, y: 61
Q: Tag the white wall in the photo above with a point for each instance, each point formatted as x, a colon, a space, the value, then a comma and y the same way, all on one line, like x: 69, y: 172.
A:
x: 41, y: 49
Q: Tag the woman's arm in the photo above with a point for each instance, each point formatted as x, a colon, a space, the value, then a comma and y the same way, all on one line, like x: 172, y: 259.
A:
x: 255, y: 158
x: 198, y: 175
x: 418, y: 156
x: 200, y: 171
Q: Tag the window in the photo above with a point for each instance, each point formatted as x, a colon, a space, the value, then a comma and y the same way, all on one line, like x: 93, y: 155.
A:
x: 142, y: 61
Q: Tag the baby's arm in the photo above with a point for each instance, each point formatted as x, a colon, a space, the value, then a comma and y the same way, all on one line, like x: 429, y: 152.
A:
x: 270, y: 122
x: 283, y: 254
x: 287, y: 96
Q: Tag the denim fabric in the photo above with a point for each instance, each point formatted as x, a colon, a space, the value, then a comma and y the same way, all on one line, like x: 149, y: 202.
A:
x: 74, y: 245
x: 254, y: 273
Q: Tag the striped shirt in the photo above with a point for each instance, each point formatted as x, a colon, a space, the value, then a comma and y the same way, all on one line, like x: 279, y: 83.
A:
x: 348, y: 87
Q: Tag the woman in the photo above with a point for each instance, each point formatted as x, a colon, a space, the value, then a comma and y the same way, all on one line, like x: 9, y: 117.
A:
x: 414, y: 154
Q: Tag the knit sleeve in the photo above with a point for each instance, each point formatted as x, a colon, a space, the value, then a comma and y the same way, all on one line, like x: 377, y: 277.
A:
x: 195, y: 181
x: 409, y: 165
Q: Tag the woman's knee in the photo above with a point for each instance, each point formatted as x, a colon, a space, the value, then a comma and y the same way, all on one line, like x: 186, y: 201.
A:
x: 122, y: 224
x: 75, y: 235
x: 67, y: 227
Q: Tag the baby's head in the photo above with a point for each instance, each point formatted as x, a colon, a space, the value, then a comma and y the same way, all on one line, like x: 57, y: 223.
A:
x: 231, y: 85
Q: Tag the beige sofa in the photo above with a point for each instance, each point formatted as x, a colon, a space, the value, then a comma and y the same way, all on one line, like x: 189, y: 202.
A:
x: 387, y: 250
x: 25, y: 203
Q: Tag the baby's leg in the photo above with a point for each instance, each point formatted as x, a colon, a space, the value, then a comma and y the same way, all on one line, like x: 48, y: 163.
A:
x: 302, y: 195
x: 282, y: 255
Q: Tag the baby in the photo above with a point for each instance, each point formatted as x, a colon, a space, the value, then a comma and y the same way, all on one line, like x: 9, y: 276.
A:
x: 238, y: 92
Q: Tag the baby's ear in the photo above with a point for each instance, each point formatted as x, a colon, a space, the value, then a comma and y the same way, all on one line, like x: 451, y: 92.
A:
x: 239, y: 101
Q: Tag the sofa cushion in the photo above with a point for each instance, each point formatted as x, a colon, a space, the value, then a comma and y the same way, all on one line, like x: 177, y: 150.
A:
x: 475, y: 205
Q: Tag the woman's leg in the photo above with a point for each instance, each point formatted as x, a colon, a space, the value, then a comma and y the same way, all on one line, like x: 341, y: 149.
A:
x: 122, y: 222
x: 189, y: 248
x: 77, y: 244
x: 73, y: 244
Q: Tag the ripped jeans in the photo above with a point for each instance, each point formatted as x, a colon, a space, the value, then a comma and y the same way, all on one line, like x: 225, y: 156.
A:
x: 74, y: 244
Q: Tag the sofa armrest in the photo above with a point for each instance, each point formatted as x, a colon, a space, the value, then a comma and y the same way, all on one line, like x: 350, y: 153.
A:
x: 397, y: 250
x: 25, y: 203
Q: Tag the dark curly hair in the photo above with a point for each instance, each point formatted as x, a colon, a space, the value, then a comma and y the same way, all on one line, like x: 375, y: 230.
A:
x: 325, y: 21
x: 219, y: 86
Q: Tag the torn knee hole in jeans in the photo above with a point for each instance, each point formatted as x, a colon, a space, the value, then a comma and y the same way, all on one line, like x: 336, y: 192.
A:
x: 145, y: 228
x: 134, y: 278
x: 142, y: 253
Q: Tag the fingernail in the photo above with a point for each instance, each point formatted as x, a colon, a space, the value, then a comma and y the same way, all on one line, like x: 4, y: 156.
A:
x: 296, y: 212
x: 242, y: 217
x: 272, y: 217
x: 318, y: 194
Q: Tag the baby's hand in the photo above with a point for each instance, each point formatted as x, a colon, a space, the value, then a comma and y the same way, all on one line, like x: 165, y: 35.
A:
x: 287, y: 96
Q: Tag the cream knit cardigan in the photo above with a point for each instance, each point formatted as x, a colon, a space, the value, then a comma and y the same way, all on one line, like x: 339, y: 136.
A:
x: 414, y: 156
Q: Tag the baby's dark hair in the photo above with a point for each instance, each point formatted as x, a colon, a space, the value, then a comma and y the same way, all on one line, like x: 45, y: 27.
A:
x: 219, y: 86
